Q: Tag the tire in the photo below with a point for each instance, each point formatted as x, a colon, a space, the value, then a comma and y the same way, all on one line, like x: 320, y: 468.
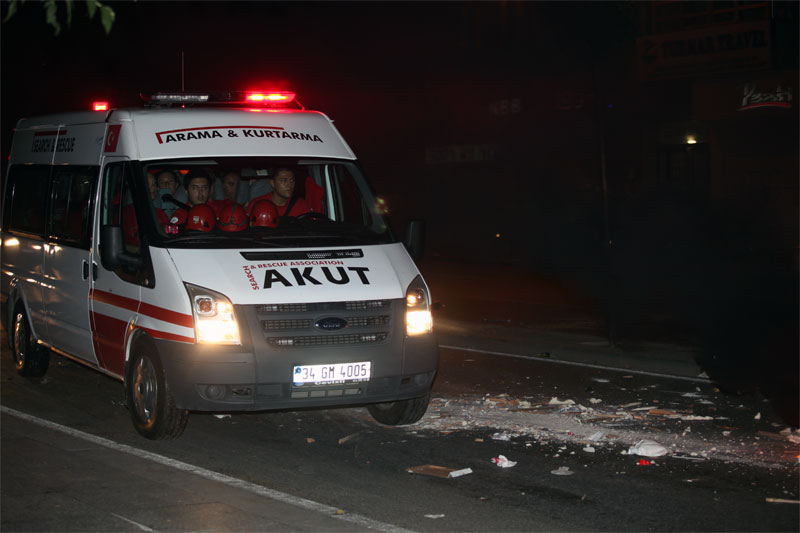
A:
x: 30, y: 359
x: 402, y: 412
x: 151, y: 405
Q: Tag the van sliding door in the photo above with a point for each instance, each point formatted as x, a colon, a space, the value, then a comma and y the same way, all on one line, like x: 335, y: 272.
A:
x: 67, y: 260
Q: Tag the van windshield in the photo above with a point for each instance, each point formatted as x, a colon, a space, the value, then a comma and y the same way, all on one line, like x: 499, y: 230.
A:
x: 261, y: 202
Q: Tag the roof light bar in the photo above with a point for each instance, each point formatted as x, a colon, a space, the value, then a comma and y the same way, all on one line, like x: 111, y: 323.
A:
x: 276, y: 99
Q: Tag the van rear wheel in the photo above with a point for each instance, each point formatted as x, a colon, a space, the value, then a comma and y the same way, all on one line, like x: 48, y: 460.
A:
x: 152, y: 407
x: 30, y: 359
x: 402, y: 412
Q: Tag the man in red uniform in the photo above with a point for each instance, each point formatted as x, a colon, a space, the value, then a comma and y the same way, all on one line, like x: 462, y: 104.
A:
x: 198, y: 187
x: 282, y: 182
x: 230, y: 185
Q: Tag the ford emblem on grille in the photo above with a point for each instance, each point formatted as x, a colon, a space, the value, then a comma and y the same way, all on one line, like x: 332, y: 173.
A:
x: 330, y: 323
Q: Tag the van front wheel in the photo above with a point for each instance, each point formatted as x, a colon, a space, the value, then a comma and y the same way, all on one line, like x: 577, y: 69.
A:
x: 30, y: 359
x: 152, y: 407
x: 401, y: 412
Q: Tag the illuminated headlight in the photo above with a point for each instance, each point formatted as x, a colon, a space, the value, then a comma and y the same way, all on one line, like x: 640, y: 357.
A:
x: 418, y: 309
x: 214, y: 321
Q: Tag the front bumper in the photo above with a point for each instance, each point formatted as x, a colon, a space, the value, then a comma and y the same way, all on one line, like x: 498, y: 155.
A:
x: 258, y: 374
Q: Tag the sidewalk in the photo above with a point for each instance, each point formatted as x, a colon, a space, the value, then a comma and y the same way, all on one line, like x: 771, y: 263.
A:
x: 564, y: 347
x: 502, y: 308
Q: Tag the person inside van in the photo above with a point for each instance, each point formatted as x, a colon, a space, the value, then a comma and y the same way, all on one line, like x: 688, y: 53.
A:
x: 152, y: 186
x: 230, y: 185
x: 282, y: 182
x: 168, y: 184
x: 198, y: 188
x: 167, y: 180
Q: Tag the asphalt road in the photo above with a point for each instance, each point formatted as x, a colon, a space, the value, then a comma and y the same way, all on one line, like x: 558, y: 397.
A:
x: 728, y: 467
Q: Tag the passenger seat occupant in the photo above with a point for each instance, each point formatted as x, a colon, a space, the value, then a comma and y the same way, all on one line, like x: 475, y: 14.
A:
x: 282, y: 182
x: 230, y: 186
x: 167, y: 184
x: 198, y: 187
x: 152, y: 185
x: 232, y: 218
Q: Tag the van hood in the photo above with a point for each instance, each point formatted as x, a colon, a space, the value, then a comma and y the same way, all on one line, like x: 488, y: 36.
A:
x: 255, y: 276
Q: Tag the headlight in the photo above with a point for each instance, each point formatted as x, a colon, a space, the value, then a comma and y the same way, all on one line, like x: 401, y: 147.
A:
x: 214, y: 321
x: 418, y: 309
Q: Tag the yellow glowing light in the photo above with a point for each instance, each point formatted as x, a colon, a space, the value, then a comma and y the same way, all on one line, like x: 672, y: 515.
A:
x: 497, y: 235
x: 691, y: 140
x: 411, y: 300
x: 418, y: 322
x: 217, y: 331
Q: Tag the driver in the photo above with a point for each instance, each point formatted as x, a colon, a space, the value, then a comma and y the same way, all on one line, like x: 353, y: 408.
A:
x: 282, y: 182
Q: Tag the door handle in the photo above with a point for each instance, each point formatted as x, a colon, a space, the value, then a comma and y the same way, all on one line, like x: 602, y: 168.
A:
x: 85, y: 270
x: 94, y: 271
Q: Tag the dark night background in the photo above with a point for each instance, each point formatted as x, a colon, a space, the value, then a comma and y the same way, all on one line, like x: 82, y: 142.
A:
x: 534, y: 134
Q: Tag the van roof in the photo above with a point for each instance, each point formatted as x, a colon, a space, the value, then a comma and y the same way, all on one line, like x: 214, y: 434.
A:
x: 172, y: 132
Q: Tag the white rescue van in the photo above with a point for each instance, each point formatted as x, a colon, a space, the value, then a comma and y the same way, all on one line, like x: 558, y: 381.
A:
x: 320, y: 308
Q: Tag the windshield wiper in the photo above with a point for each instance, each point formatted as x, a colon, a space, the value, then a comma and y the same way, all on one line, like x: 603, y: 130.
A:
x: 227, y: 238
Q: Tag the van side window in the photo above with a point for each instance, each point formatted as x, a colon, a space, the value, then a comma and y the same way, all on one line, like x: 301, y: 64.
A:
x: 25, y: 193
x: 117, y: 209
x: 71, y: 205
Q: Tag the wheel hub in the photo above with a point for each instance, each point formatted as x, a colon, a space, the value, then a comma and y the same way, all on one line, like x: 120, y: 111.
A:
x: 19, y: 340
x: 145, y: 390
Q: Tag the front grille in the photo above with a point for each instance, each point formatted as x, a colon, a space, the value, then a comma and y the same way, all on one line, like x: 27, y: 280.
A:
x: 287, y: 326
x: 367, y: 304
x: 327, y: 340
x: 282, y: 308
x: 369, y: 320
x: 277, y: 325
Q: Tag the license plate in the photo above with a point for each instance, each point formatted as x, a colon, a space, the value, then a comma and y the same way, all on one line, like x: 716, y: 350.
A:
x: 331, y: 374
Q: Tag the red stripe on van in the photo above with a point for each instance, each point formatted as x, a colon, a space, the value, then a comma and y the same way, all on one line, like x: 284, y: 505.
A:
x: 167, y: 336
x: 114, y: 299
x: 166, y: 315
x: 109, y: 342
x: 110, y: 337
x: 159, y: 313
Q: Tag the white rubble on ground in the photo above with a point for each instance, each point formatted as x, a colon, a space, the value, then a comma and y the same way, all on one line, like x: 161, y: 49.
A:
x: 562, y: 420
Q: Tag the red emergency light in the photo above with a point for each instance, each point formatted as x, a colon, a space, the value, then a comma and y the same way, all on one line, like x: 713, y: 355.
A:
x: 276, y: 96
x: 100, y: 106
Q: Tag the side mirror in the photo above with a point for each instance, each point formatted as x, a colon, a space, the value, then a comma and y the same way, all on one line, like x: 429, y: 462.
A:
x: 112, y: 251
x: 415, y: 238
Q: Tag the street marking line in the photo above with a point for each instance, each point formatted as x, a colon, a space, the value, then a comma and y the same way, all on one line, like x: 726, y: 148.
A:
x: 210, y: 474
x: 573, y: 363
x: 137, y: 524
